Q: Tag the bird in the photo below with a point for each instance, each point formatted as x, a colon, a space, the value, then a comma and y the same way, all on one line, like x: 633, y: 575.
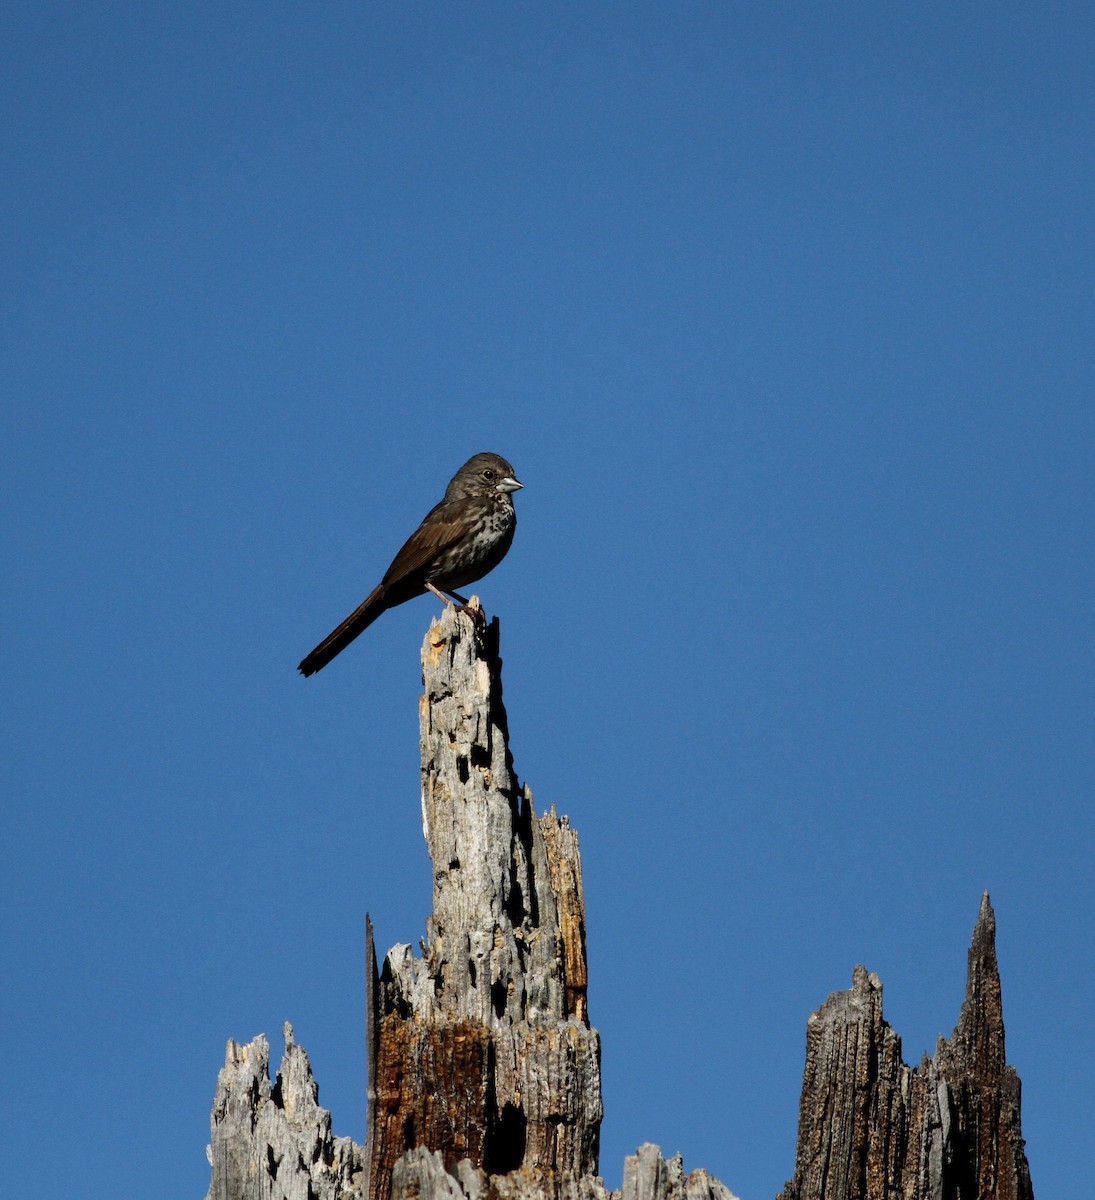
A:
x: 459, y: 541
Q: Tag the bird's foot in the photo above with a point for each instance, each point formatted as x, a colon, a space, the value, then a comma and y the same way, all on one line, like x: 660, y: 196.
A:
x: 474, y: 610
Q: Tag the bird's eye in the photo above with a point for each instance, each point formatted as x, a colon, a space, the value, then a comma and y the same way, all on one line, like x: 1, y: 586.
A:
x: 488, y: 473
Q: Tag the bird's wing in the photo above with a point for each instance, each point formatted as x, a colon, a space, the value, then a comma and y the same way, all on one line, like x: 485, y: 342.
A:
x: 440, y: 528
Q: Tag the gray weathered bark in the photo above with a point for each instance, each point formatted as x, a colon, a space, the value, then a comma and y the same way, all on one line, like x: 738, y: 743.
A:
x: 871, y: 1128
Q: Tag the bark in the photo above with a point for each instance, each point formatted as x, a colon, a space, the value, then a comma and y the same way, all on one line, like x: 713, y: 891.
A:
x: 872, y: 1128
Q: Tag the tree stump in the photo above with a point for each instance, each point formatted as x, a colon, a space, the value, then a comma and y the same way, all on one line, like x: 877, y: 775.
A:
x: 484, y: 1072
x: 481, y: 1049
x: 871, y: 1128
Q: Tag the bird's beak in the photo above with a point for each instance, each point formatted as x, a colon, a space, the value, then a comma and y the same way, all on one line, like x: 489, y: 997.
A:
x: 509, y: 484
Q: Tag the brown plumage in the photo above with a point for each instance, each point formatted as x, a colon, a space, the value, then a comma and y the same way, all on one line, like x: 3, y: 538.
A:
x: 458, y: 542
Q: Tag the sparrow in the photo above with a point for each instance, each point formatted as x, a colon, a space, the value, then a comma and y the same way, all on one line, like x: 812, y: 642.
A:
x: 459, y: 541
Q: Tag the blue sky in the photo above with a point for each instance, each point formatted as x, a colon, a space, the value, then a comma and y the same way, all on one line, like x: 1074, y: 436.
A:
x: 784, y: 316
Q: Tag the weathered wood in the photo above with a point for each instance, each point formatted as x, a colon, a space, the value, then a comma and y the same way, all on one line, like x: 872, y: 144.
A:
x: 372, y: 1040
x: 647, y: 1176
x: 484, y: 1072
x: 274, y: 1142
x: 565, y: 865
x: 871, y: 1128
x: 984, y: 1091
x: 484, y: 1049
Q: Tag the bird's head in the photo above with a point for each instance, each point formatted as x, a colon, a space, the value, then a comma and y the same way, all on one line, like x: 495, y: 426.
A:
x: 483, y: 475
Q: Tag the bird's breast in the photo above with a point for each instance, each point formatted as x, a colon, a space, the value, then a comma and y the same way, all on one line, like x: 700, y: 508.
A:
x: 480, y: 548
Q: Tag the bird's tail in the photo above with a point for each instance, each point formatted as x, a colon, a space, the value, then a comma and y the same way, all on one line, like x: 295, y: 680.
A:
x: 338, y: 639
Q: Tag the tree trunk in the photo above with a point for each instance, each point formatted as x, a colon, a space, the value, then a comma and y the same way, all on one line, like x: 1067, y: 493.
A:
x: 483, y: 1049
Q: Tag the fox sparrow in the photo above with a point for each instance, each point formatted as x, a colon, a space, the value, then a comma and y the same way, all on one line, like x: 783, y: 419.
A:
x: 458, y: 542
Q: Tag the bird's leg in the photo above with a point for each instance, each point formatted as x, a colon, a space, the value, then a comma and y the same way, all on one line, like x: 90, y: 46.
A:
x: 442, y: 597
x: 464, y: 605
